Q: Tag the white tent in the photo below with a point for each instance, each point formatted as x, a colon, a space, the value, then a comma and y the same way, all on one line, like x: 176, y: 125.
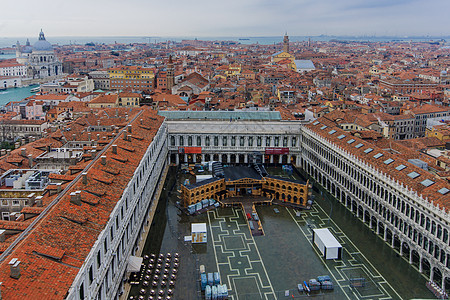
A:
x: 134, y: 263
x: 198, y: 232
x: 327, y: 243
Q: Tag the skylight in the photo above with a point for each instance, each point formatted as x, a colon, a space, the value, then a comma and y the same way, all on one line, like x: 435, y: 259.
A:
x: 427, y: 182
x: 323, y: 127
x: 316, y: 122
x: 388, y: 161
x: 341, y: 136
x: 400, y: 167
x: 378, y: 155
x: 359, y: 145
x: 368, y: 150
x: 413, y: 175
x: 350, y: 141
x: 332, y: 131
x: 443, y: 191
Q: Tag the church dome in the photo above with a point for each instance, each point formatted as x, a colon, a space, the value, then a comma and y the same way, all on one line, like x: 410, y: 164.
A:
x: 42, y: 44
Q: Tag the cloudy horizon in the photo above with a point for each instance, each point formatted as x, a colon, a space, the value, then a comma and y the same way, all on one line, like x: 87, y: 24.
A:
x: 231, y: 18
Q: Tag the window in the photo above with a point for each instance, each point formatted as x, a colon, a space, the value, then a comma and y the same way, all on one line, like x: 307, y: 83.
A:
x: 199, y: 141
x: 277, y: 141
x: 99, y: 259
x: 443, y: 191
x: 332, y: 131
x: 368, y: 150
x: 91, y: 274
x: 216, y: 141
x: 427, y: 182
x: 181, y: 141
x: 190, y: 141
x: 413, y: 175
x: 350, y: 141
x: 359, y: 145
x: 400, y: 167
x: 233, y: 141
x: 388, y: 161
x: 207, y: 141
x: 378, y: 155
x: 323, y: 127
x: 259, y: 141
x: 241, y: 141
x: 316, y: 122
x: 294, y: 141
x: 250, y: 141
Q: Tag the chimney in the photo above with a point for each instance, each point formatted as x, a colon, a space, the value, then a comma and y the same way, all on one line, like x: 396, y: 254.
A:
x: 129, y: 138
x: 16, y: 145
x: 23, y: 151
x: 129, y: 128
x: 103, y: 157
x: 89, y: 136
x: 30, y: 160
x: 93, y: 152
x: 31, y: 199
x: 39, y: 201
x: 141, y: 121
x: 14, y: 268
x: 2, y: 236
x: 59, y: 187
x: 74, y: 136
x: 124, y: 135
x: 126, y: 117
x: 84, y: 177
x: 98, y: 136
x: 3, y: 152
x: 8, y: 152
x: 98, y: 122
x: 114, y: 149
x: 49, y: 148
x: 22, y: 142
x: 74, y: 199
x: 73, y: 160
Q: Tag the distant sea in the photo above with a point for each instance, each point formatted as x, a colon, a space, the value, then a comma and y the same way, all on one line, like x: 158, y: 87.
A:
x: 263, y: 40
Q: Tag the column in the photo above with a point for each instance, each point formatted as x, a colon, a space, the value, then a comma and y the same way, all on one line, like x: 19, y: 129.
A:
x: 246, y: 158
x: 431, y: 273
x: 168, y: 158
x: 203, y: 157
x: 401, y: 248
x: 410, y: 256
x: 263, y: 158
x: 443, y: 282
x: 220, y: 157
x: 185, y: 158
x: 385, y: 233
x: 280, y: 159
x: 271, y: 158
x: 289, y: 159
x: 228, y: 158
x: 420, y: 264
x: 177, y: 158
x: 392, y: 243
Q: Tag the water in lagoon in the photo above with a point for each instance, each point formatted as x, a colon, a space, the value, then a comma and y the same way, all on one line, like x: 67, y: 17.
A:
x: 15, y: 94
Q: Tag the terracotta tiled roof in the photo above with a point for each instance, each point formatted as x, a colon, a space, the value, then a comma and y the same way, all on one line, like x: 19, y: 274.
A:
x: 53, y: 252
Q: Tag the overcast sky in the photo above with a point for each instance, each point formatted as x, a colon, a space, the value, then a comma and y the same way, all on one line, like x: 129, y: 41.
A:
x: 208, y: 18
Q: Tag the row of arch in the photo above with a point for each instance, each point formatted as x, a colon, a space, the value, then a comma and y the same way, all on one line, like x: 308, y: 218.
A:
x: 423, y: 249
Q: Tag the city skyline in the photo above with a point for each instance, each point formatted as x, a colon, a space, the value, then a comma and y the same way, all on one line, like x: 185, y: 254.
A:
x: 232, y: 18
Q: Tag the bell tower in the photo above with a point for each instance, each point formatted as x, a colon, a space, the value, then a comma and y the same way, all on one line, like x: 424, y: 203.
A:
x: 286, y: 43
x: 170, y: 75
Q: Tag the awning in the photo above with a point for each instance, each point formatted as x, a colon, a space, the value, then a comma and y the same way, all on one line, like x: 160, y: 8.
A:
x: 134, y: 264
